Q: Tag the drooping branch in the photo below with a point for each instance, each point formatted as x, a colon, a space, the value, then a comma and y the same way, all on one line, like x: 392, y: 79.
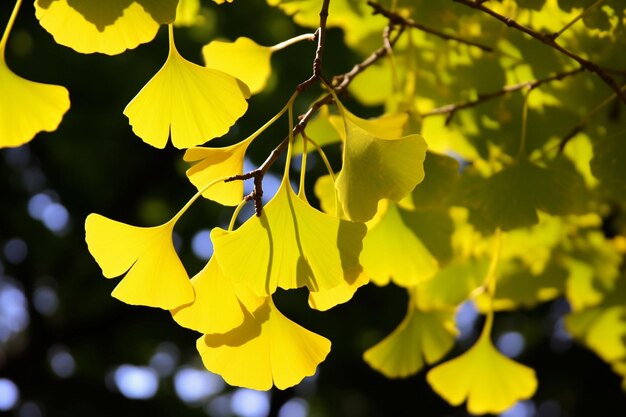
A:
x: 396, y: 19
x: 451, y: 109
x: 549, y: 40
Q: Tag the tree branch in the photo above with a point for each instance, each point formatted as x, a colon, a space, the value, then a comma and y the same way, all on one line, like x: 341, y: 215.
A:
x: 339, y: 84
x: 320, y: 34
x: 451, y: 109
x: 548, y: 40
x: 396, y: 19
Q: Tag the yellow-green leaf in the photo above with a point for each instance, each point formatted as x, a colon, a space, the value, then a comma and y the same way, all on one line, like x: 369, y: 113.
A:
x: 194, y: 103
x: 422, y: 337
x: 488, y: 380
x: 377, y: 164
x: 268, y: 349
x: 392, y: 251
x: 109, y: 27
x: 156, y: 277
x: 290, y: 245
x: 243, y: 58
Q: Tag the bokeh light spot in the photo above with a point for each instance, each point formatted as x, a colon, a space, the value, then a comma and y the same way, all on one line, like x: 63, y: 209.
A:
x: 9, y: 394
x: 136, y: 382
x: 250, y: 403
x: 201, y: 245
x: 511, y: 344
x: 295, y: 407
x: 194, y: 385
x: 15, y: 251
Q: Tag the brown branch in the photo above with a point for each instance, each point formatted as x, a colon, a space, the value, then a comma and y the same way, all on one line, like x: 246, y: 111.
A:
x: 396, y: 19
x: 451, y: 109
x: 548, y: 40
x: 339, y: 84
x: 320, y: 34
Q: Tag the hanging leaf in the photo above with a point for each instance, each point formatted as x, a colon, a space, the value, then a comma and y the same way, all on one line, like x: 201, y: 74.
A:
x: 108, y: 27
x: 155, y: 278
x: 269, y: 349
x: 194, y: 103
x: 290, y: 245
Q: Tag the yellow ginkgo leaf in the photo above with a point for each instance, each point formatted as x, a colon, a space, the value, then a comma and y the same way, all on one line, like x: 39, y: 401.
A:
x: 105, y: 26
x: 290, y: 245
x: 26, y: 107
x: 267, y: 349
x: 216, y: 308
x: 422, y: 337
x: 325, y: 300
x: 194, y: 103
x: 188, y: 13
x: 156, y: 277
x: 212, y: 163
x: 243, y: 58
x: 391, y: 250
x: 377, y: 164
x: 488, y: 380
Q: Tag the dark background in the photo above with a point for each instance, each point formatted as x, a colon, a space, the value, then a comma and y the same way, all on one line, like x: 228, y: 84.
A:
x: 94, y: 163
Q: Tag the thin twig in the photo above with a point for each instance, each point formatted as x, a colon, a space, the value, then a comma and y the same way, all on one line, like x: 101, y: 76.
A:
x: 547, y: 40
x: 585, y: 120
x: 320, y: 34
x: 339, y: 84
x: 396, y: 19
x: 451, y: 109
x: 555, y: 35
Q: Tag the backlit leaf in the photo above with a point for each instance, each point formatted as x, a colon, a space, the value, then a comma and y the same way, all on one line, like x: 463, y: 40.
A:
x: 28, y: 107
x: 216, y: 308
x: 267, y: 349
x: 423, y: 337
x: 392, y: 251
x: 155, y: 278
x: 489, y: 381
x: 243, y: 58
x: 377, y: 164
x: 105, y: 26
x: 194, y: 103
x: 290, y: 245
x: 212, y: 163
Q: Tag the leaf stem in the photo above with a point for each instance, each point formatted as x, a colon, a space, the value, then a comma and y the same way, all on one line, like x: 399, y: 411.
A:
x: 292, y: 41
x: 490, y: 281
x: 522, y: 142
x: 193, y: 199
x: 231, y: 224
x: 555, y: 35
x: 9, y: 26
x: 322, y: 154
x: 586, y: 118
x: 301, y: 192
